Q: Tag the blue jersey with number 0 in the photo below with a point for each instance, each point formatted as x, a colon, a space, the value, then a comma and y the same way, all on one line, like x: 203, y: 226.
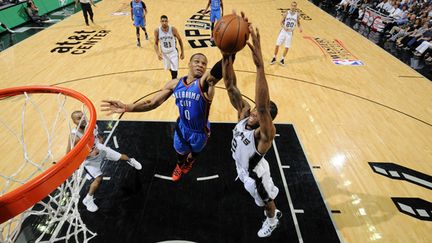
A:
x: 193, y: 106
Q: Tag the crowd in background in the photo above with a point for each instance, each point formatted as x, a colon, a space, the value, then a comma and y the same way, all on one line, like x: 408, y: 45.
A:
x: 408, y: 23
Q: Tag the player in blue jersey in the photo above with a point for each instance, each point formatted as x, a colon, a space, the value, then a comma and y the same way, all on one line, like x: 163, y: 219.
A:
x: 216, y: 11
x: 193, y: 95
x: 138, y: 13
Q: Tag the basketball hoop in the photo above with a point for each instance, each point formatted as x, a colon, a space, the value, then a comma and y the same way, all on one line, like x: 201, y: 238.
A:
x: 37, y: 187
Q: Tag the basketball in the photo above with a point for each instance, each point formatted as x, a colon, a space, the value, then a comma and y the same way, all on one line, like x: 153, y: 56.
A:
x: 231, y: 33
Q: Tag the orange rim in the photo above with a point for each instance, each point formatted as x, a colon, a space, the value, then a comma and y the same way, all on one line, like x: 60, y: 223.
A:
x: 36, y: 189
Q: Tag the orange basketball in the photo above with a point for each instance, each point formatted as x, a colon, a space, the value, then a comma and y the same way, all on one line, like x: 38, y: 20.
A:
x: 231, y: 33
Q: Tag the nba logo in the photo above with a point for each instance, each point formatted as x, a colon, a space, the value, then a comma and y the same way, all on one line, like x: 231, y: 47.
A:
x: 347, y: 62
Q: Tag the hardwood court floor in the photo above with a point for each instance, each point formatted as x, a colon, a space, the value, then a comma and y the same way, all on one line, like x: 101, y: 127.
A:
x: 344, y: 116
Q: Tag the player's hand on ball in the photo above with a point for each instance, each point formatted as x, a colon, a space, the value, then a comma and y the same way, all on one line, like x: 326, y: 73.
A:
x: 242, y: 15
x: 113, y: 106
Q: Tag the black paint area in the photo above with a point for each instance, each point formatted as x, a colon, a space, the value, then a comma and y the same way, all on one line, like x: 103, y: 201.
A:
x: 136, y: 206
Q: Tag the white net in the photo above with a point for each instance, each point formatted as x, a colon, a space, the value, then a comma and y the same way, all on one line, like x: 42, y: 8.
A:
x: 35, y: 129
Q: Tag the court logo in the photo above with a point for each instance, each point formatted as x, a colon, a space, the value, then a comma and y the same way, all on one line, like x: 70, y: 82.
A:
x: 414, y: 207
x: 302, y: 14
x: 197, y: 30
x: 336, y: 50
x: 81, y: 42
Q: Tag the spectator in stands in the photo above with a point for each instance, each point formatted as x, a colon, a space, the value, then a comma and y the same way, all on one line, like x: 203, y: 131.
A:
x: 343, y: 5
x: 401, y: 31
x: 354, y: 5
x: 409, y: 40
x: 424, y: 46
x: 399, y: 17
x: 365, y: 4
x: 385, y: 7
x: 427, y: 36
x: 33, y: 13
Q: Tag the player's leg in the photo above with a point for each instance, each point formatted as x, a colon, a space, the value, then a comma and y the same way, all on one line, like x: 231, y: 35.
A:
x: 94, y: 186
x: 182, y: 149
x: 214, y: 16
x: 177, y: 172
x: 173, y: 74
x: 288, y: 40
x: 90, y: 11
x: 144, y: 28
x: 197, y: 143
x: 267, y: 192
x: 138, y: 35
x: 145, y: 32
x: 93, y: 173
x: 113, y: 155
x: 173, y: 60
x: 84, y: 8
x: 279, y: 41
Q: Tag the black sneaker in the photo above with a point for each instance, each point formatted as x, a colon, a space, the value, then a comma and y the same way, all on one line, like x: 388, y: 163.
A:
x: 273, y: 61
x: 282, y: 62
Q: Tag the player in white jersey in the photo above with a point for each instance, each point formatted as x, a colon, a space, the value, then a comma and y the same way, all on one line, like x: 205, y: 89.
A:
x: 166, y: 35
x: 289, y: 21
x: 92, y: 164
x: 253, y: 137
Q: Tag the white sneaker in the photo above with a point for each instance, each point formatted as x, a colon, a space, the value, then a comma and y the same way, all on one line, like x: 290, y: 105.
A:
x: 282, y: 62
x: 134, y: 164
x: 90, y: 205
x: 267, y: 229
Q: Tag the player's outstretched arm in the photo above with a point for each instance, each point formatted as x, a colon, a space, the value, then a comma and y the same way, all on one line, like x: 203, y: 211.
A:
x: 116, y: 106
x: 234, y: 94
x: 267, y: 130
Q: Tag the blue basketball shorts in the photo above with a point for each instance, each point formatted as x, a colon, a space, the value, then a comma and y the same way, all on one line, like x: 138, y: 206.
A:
x: 215, y: 16
x: 139, y: 22
x: 190, y: 140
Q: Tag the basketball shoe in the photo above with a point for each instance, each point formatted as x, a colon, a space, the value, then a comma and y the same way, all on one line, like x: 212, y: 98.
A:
x: 88, y: 201
x: 187, y: 166
x: 177, y: 173
x: 134, y: 163
x: 282, y: 62
x: 267, y: 227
